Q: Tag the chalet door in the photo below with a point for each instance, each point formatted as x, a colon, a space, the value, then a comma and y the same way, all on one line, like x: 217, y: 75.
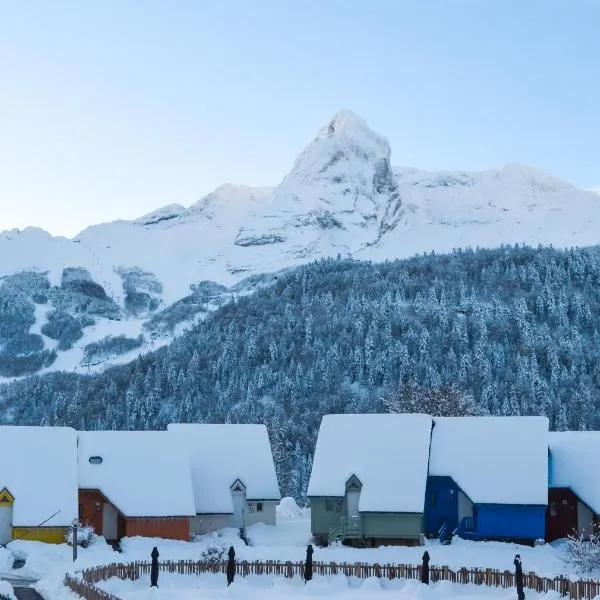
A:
x: 585, y: 520
x: 352, y: 499
x: 6, y: 511
x: 110, y: 519
x: 239, y: 504
x: 561, y: 514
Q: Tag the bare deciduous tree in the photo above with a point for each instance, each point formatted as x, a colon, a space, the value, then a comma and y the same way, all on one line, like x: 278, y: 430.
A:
x: 443, y: 401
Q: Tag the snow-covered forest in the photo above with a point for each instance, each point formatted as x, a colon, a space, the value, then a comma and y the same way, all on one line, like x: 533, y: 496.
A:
x: 516, y: 330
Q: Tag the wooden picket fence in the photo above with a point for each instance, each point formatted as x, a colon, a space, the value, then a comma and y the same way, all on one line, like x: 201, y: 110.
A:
x: 85, y: 589
x: 84, y: 583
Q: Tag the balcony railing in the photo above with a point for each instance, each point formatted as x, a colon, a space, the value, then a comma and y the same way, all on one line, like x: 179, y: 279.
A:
x: 346, y: 528
x: 466, y: 525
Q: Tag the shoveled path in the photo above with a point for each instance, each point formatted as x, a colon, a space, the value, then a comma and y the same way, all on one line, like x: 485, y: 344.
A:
x: 27, y: 593
x: 22, y: 587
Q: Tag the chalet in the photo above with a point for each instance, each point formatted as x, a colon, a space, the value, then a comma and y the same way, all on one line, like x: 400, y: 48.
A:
x: 573, y: 484
x: 368, y: 479
x: 488, y: 478
x: 134, y: 483
x: 233, y: 474
x: 38, y: 483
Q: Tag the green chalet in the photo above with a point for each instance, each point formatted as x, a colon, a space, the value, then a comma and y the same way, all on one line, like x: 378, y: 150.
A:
x: 368, y: 480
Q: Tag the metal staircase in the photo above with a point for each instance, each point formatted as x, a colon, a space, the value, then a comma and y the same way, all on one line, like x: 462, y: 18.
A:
x: 445, y: 534
x: 346, y: 528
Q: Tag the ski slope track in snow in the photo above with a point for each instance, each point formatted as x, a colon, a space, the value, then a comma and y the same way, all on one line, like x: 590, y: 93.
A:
x: 342, y: 197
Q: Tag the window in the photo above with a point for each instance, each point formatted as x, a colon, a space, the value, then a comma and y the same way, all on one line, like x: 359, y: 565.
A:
x: 259, y: 507
x: 95, y: 460
x: 329, y: 505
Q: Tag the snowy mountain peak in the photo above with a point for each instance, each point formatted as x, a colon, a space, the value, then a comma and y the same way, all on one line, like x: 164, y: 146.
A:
x: 346, y: 154
x: 348, y: 130
x: 341, y: 194
x: 344, y: 122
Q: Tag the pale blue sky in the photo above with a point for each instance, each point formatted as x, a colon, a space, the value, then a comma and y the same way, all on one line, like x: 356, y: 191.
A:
x: 109, y: 109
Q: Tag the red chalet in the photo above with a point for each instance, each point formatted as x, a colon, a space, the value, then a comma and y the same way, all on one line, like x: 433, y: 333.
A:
x: 574, y: 486
x: 134, y: 483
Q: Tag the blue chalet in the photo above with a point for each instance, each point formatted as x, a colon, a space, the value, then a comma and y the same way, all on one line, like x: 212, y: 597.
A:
x: 488, y: 478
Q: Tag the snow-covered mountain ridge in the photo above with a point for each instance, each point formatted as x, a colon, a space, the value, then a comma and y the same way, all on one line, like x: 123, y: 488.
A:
x: 342, y: 196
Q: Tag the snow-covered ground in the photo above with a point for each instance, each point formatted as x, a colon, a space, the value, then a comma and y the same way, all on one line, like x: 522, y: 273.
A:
x: 262, y: 587
x: 286, y: 541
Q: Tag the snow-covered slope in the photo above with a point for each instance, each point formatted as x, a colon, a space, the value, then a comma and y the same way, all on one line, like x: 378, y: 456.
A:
x: 179, y: 246
x: 342, y: 196
x: 35, y: 249
x: 513, y: 204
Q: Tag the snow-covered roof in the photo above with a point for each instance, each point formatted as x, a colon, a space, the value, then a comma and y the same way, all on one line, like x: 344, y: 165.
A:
x: 388, y: 453
x: 143, y: 473
x: 494, y: 460
x: 38, y: 466
x: 221, y: 454
x: 573, y: 464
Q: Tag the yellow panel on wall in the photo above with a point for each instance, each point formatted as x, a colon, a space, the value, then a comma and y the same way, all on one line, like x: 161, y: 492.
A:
x: 50, y: 535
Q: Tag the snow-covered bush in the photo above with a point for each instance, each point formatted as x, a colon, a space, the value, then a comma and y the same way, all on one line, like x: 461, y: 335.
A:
x: 7, y: 591
x: 584, y: 554
x: 214, y: 553
x: 85, y: 535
